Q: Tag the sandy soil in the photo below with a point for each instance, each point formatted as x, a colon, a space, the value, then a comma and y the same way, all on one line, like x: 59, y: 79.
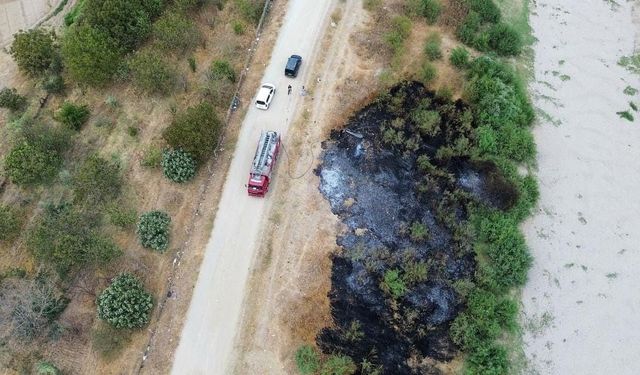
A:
x: 215, y: 308
x: 581, y: 303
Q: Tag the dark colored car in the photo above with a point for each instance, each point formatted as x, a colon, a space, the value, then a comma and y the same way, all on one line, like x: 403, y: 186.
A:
x: 293, y: 65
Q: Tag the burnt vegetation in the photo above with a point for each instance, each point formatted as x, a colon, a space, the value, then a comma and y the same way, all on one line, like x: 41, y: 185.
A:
x: 432, y: 242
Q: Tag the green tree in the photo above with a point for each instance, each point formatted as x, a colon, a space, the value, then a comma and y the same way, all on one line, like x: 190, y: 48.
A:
x: 178, y: 166
x: 174, y: 31
x: 72, y: 116
x: 505, y: 40
x: 10, y: 99
x: 67, y: 239
x: 10, y: 223
x: 153, y: 230
x: 90, y: 56
x: 33, y: 50
x: 151, y: 72
x: 307, y: 360
x: 97, y: 181
x: 126, y: 22
x: 125, y: 303
x: 28, y: 164
x: 195, y: 131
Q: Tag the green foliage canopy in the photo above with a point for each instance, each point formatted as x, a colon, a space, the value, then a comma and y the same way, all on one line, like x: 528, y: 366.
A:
x: 125, y: 303
x: 195, y: 131
x: 33, y: 50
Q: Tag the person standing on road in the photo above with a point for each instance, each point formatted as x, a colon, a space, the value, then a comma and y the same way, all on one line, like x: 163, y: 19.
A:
x: 289, y: 90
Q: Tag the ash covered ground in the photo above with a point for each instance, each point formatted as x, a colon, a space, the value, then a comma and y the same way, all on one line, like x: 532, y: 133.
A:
x: 407, y: 243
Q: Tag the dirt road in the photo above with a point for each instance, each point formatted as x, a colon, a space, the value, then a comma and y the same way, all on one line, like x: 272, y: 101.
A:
x: 216, y: 307
x: 22, y: 14
x: 581, y: 302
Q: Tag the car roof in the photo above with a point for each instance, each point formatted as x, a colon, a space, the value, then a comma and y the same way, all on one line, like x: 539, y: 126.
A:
x: 264, y: 91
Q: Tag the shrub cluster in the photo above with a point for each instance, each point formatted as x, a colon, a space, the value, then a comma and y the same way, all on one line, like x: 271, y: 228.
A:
x: 10, y: 223
x: 72, y: 116
x: 483, y: 30
x: 432, y: 47
x: 175, y: 32
x: 195, y: 131
x: 502, y: 110
x: 67, y: 238
x: 309, y: 362
x: 31, y: 164
x: 396, y: 37
x: 97, y: 181
x: 178, y: 166
x: 125, y: 303
x: 34, y: 50
x: 10, y: 99
x: 151, y: 72
x: 90, y: 55
x: 153, y: 230
x: 221, y: 77
x: 459, y: 57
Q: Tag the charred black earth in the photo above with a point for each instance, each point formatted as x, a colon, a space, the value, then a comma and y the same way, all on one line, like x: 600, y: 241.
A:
x: 401, y: 179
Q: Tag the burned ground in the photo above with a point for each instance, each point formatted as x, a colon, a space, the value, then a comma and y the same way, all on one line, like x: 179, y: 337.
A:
x: 402, y: 179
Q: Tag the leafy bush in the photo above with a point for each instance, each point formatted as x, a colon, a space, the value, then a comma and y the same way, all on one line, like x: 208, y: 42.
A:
x: 502, y: 110
x: 486, y: 9
x: 10, y: 223
x: 431, y: 9
x: 251, y: 10
x: 418, y: 232
x: 72, y: 116
x: 153, y: 230
x: 151, y: 72
x: 10, y: 99
x: 432, y: 47
x: 97, y: 181
x: 307, y: 360
x: 459, y: 57
x: 47, y: 368
x: 174, y: 31
x: 67, y: 238
x: 90, y: 55
x: 29, y: 164
x: 109, y: 341
x: 506, y: 249
x: 74, y: 14
x: 125, y: 303
x: 126, y: 22
x: 33, y: 50
x: 393, y: 284
x: 192, y: 64
x: 505, y: 40
x: 53, y: 84
x: 338, y: 365
x: 222, y: 70
x: 238, y: 27
x: 428, y: 73
x: 195, y: 131
x: 178, y: 166
x: 468, y: 29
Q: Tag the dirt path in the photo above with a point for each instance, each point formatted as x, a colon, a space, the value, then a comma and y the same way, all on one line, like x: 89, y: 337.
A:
x: 22, y: 14
x: 216, y: 306
x: 581, y: 303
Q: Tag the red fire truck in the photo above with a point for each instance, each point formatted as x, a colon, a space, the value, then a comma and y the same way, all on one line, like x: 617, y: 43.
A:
x: 263, y: 163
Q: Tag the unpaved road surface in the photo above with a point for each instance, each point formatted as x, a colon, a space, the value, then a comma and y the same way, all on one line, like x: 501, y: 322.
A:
x: 581, y: 303
x: 212, y: 320
x: 22, y: 14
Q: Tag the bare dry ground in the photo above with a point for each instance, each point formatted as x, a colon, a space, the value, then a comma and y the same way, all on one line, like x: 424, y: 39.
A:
x: 287, y: 302
x: 191, y: 206
x: 581, y: 302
